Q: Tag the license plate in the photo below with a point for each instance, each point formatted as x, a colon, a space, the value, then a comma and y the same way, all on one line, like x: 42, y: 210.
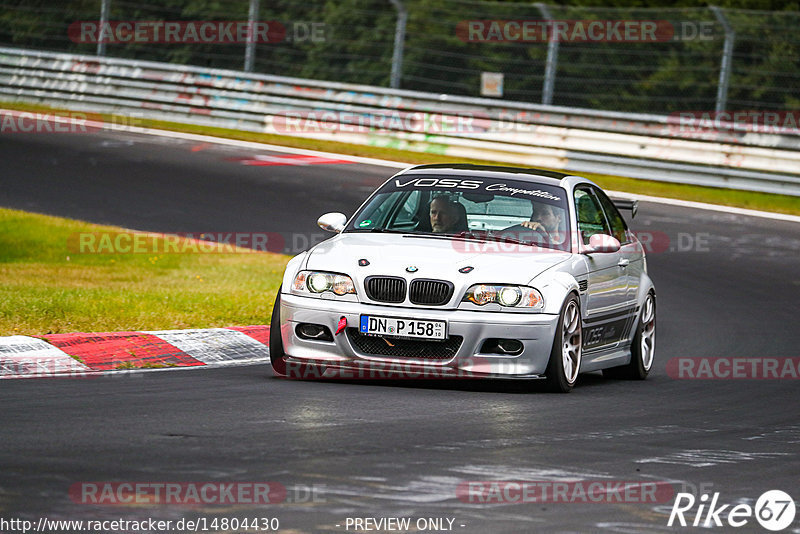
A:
x: 410, y: 328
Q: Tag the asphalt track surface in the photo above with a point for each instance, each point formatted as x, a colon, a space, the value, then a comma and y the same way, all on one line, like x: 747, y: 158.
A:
x: 399, y: 448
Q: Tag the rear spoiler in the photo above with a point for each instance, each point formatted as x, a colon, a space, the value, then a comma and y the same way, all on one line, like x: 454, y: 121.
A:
x: 625, y: 204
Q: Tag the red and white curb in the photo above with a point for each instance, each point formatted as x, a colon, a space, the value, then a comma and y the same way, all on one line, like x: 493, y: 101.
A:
x: 28, y: 357
x: 86, y: 354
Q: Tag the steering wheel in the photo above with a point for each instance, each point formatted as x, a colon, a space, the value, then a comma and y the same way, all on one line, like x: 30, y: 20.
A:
x: 536, y: 236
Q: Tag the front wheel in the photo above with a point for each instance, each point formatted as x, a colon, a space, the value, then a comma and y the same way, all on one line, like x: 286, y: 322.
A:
x: 276, y: 353
x: 643, y: 346
x: 277, y: 356
x: 565, y: 357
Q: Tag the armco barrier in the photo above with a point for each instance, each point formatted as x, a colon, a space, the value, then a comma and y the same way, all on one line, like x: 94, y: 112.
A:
x: 576, y: 140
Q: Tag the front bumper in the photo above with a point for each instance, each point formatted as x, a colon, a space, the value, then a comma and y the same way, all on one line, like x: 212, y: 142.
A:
x: 536, y: 331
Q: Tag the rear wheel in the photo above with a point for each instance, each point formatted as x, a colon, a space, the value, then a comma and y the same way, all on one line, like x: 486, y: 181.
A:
x: 276, y: 353
x: 565, y: 357
x: 643, y: 347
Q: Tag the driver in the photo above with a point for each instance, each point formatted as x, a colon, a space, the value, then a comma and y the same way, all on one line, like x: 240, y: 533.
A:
x: 444, y: 215
x: 547, y: 219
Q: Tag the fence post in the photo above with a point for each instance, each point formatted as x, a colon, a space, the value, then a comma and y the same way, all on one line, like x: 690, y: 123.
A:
x: 101, y: 45
x: 727, y: 58
x: 399, y: 43
x: 250, y: 49
x: 552, y: 58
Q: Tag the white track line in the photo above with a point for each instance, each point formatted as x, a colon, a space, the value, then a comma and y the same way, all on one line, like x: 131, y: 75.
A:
x: 393, y: 164
x: 704, y: 206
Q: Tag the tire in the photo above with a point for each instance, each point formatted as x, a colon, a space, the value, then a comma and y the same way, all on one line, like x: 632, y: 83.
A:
x: 643, y: 346
x: 277, y: 356
x: 276, y: 353
x: 565, y: 357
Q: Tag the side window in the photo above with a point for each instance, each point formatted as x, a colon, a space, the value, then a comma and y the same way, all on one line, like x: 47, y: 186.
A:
x: 590, y: 215
x: 618, y: 226
x: 375, y: 212
x: 385, y: 208
x: 406, y: 214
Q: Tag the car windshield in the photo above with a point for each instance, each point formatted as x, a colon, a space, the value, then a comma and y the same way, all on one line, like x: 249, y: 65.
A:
x: 513, y: 211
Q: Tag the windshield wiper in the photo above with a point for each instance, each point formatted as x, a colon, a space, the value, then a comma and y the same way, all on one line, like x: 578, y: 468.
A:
x: 376, y: 230
x: 440, y: 235
x: 508, y: 239
x: 381, y: 230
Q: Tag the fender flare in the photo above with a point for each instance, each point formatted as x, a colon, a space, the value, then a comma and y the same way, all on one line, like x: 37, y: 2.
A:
x: 294, y: 266
x: 556, y: 290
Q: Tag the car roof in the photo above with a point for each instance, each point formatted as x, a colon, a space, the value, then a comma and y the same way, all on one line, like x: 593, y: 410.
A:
x: 491, y: 171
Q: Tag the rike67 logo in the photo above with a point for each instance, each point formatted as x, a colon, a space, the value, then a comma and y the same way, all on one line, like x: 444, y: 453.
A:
x: 774, y: 510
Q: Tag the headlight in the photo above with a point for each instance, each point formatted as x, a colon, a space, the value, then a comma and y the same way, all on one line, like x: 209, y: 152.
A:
x: 320, y: 281
x: 343, y: 285
x: 508, y: 296
x: 481, y: 294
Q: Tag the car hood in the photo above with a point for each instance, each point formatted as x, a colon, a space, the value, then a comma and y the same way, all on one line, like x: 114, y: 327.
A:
x: 432, y: 257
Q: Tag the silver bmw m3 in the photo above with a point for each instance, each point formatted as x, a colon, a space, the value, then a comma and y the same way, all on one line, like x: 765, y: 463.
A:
x: 470, y: 271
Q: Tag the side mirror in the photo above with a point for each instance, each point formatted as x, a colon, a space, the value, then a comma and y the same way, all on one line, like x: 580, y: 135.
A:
x: 602, y: 243
x: 332, y: 222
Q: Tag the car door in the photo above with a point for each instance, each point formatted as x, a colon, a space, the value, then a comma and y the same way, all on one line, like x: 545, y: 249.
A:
x: 607, y: 311
x: 631, y: 251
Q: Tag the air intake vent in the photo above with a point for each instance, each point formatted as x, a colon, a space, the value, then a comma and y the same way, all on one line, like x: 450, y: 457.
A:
x: 405, y: 348
x: 430, y: 292
x: 386, y: 288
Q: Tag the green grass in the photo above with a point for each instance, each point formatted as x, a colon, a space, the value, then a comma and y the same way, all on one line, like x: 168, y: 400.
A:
x: 48, y: 286
x: 713, y: 195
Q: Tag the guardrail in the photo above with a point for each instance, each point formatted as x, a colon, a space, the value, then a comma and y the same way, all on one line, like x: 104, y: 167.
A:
x: 655, y: 147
